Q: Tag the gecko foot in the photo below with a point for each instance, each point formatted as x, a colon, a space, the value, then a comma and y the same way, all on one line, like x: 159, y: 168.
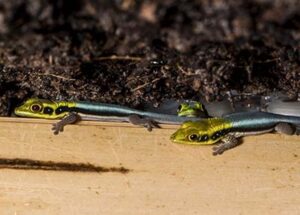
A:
x: 147, y: 123
x: 229, y: 142
x: 57, y: 127
x: 285, y: 128
x: 70, y: 119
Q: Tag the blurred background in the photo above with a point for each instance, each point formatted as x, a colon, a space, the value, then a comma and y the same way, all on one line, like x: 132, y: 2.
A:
x: 130, y: 52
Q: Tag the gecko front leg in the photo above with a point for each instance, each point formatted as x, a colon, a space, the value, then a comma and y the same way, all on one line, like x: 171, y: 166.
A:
x: 228, y: 142
x: 231, y: 140
x: 69, y: 119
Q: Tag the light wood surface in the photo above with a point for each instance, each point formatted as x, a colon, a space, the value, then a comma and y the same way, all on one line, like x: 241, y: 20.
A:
x: 262, y: 176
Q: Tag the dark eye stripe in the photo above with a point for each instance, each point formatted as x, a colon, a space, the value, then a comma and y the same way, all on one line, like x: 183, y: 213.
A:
x: 48, y: 110
x: 203, y: 138
x: 218, y: 134
x: 61, y: 109
x: 179, y: 108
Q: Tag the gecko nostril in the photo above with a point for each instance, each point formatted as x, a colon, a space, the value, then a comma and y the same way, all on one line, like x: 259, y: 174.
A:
x: 173, y: 136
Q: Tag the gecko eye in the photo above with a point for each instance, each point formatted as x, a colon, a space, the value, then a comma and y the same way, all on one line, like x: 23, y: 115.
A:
x: 193, y: 137
x: 36, y: 108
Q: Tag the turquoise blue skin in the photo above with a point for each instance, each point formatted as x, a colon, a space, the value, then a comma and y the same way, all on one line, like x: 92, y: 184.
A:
x: 242, y: 121
x: 257, y: 121
x: 111, y: 110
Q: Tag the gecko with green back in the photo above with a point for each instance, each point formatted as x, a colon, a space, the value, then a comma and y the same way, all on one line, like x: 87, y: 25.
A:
x: 71, y: 112
x: 230, y: 127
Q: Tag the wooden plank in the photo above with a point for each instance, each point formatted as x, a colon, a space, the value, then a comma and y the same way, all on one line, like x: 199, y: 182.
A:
x: 260, y: 177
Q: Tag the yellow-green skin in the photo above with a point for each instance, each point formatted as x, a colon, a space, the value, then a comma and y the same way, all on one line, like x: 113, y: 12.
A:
x: 188, y: 110
x: 204, y: 130
x: 27, y: 108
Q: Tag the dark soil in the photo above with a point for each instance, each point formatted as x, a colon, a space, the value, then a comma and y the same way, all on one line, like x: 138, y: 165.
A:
x: 129, y: 51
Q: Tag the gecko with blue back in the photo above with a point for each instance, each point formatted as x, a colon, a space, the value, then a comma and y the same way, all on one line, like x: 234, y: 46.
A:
x: 71, y: 112
x: 230, y: 127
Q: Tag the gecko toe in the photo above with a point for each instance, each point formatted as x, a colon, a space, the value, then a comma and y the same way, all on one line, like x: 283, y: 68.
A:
x: 150, y: 124
x: 149, y: 127
x: 147, y: 123
x: 56, y: 128
x: 218, y: 150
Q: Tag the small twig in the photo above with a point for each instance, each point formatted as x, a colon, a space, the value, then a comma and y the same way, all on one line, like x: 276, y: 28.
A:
x: 267, y: 61
x: 57, y: 76
x: 115, y: 57
x: 144, y: 85
x: 183, y: 71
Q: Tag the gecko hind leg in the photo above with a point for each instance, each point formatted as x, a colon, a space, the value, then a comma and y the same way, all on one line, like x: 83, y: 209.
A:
x: 286, y: 128
x: 69, y: 119
x: 145, y: 122
x: 229, y: 142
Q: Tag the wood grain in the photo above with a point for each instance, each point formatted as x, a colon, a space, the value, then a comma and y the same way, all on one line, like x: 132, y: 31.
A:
x: 261, y: 176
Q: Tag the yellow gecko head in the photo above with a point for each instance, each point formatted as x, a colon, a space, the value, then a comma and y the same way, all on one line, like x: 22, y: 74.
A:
x: 203, y: 132
x: 41, y: 108
x: 189, y: 110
